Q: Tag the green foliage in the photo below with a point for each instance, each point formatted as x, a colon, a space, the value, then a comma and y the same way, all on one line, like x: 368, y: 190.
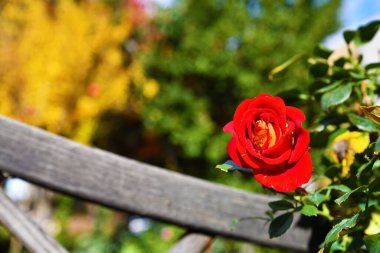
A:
x: 343, y: 101
x: 335, y: 96
x: 372, y: 243
x: 216, y: 53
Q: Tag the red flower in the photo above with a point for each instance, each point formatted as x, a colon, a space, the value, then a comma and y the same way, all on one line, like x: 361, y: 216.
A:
x: 267, y: 136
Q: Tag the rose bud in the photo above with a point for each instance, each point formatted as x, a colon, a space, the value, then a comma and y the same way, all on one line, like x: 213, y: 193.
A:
x: 268, y: 137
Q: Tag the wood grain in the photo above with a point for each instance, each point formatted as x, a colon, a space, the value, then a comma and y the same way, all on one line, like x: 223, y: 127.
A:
x: 25, y: 230
x: 125, y: 184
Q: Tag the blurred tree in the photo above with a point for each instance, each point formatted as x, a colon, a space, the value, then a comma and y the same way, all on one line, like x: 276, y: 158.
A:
x: 212, y: 54
x: 62, y: 63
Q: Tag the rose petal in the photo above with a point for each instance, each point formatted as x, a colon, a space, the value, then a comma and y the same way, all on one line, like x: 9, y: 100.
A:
x: 296, y: 115
x: 301, y: 136
x: 275, y: 103
x: 229, y: 127
x: 232, y: 151
x: 269, y: 161
x: 240, y: 110
x: 283, y: 144
x: 287, y: 179
x: 301, y: 139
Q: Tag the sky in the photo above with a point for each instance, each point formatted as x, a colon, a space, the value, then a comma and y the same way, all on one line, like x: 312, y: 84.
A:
x: 353, y: 13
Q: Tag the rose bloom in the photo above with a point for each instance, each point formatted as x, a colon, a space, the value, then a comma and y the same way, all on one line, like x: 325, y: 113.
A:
x: 267, y: 136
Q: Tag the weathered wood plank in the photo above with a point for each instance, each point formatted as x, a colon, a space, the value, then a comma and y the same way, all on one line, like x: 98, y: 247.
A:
x: 101, y: 177
x: 192, y: 243
x: 24, y: 229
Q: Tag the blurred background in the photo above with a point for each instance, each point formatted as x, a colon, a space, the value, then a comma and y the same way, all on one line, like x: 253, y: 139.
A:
x: 153, y: 80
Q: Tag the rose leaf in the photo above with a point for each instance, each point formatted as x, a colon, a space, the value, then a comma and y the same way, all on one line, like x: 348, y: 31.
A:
x: 230, y: 166
x: 280, y: 205
x: 316, y: 198
x: 336, y: 96
x: 309, y: 210
x: 362, y: 123
x: 280, y: 224
x: 345, y: 196
x: 333, y: 234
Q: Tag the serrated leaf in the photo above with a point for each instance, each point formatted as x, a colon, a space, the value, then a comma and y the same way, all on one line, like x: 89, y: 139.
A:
x: 280, y: 205
x: 372, y: 242
x: 336, y: 96
x: 349, y: 35
x: 309, y: 210
x: 333, y: 234
x: 362, y: 123
x: 317, y: 198
x: 372, y: 112
x: 280, y: 225
x: 345, y: 196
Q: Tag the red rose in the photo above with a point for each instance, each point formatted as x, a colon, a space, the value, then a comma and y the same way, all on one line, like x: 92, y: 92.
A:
x: 267, y: 136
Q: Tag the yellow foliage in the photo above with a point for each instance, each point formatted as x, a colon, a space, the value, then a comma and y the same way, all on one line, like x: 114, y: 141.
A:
x: 345, y: 146
x: 62, y: 64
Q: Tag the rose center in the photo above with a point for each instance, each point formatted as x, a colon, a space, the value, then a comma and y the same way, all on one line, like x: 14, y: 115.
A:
x: 264, y: 135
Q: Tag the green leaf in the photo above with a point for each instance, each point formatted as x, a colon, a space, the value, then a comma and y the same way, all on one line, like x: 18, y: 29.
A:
x: 377, y: 145
x: 285, y: 65
x: 336, y: 96
x: 349, y: 35
x: 362, y: 123
x: 230, y: 166
x: 357, y: 75
x: 224, y: 167
x: 372, y: 242
x: 280, y: 225
x: 345, y: 196
x: 322, y: 51
x: 319, y: 69
x: 280, y: 205
x: 367, y: 32
x: 340, y: 62
x: 309, y: 210
x: 328, y: 87
x: 316, y: 198
x: 339, y: 187
x: 333, y: 234
x: 375, y: 65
